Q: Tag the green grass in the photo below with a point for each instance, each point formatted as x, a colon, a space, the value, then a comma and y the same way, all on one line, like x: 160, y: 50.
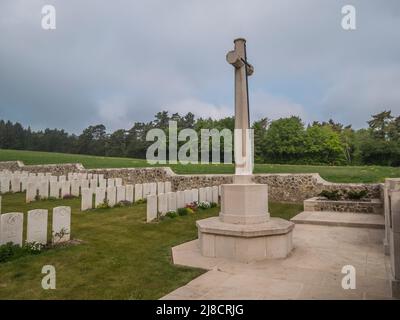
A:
x: 121, y: 256
x: 365, y: 174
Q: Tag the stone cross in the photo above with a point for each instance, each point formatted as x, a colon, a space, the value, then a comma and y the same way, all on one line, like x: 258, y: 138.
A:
x: 237, y: 58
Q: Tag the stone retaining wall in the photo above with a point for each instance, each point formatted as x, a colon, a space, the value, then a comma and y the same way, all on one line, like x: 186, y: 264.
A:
x: 374, y: 206
x: 282, y: 187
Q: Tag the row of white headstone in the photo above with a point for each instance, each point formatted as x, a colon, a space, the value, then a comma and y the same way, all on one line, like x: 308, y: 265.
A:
x: 35, y: 184
x: 171, y: 201
x: 44, y: 188
x: 113, y: 195
x: 11, y: 226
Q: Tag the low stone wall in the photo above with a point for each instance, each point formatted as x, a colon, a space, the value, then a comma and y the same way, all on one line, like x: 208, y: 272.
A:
x: 374, y: 206
x: 282, y: 187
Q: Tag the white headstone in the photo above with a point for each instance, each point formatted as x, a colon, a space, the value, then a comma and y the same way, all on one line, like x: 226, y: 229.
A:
x: 180, y: 199
x: 84, y: 184
x: 111, y: 196
x: 118, y: 182
x: 171, y: 201
x: 121, y: 193
x: 87, y: 199
x: 110, y: 182
x: 151, y: 208
x: 195, y: 195
x: 37, y: 226
x: 65, y: 188
x: 188, y: 196
x: 167, y: 186
x: 138, y: 192
x: 153, y: 188
x: 55, y: 189
x: 103, y: 183
x: 146, y: 190
x: 209, y: 194
x: 75, y: 185
x: 162, y: 203
x: 129, y: 193
x: 4, y: 185
x: 16, y: 184
x: 24, y: 181
x: 100, y: 196
x: 93, y: 183
x: 62, y: 178
x: 43, y: 189
x: 11, y: 225
x: 160, y: 187
x: 31, y: 192
x: 61, y: 224
x: 215, y: 196
x: 202, y: 195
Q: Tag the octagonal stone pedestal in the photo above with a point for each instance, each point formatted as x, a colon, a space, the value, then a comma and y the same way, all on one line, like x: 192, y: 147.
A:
x: 244, y: 230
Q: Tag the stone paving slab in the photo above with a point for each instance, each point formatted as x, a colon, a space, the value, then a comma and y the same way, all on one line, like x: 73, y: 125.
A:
x: 312, y: 271
x: 344, y: 219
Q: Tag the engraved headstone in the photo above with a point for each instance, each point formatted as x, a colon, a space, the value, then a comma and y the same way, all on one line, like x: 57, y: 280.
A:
x: 195, y: 195
x: 180, y: 199
x: 37, y: 226
x: 100, y: 196
x: 61, y: 224
x: 55, y: 188
x: 171, y: 201
x: 151, y: 208
x: 162, y: 204
x: 111, y: 196
x: 188, y: 196
x: 160, y: 187
x: 87, y: 199
x: 167, y: 186
x: 129, y: 193
x: 11, y: 225
x: 138, y: 192
x: 202, y: 195
x: 215, y: 196
x: 121, y: 195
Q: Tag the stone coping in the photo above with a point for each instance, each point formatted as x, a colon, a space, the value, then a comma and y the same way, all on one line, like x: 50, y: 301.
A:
x: 275, y: 226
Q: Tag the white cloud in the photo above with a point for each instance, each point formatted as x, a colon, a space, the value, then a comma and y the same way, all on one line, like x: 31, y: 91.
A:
x: 200, y: 108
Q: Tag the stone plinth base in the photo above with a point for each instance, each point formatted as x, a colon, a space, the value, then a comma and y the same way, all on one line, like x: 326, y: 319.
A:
x: 245, y: 242
x: 244, y: 203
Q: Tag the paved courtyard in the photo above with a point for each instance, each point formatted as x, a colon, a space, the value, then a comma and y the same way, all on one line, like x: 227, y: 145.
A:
x: 312, y: 271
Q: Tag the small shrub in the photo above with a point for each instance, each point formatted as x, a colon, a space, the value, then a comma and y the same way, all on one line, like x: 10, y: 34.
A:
x: 183, y: 211
x: 38, y: 198
x: 68, y: 196
x: 171, y: 214
x: 213, y: 205
x: 141, y: 201
x: 204, y: 205
x: 10, y: 251
x: 104, y: 205
x: 33, y: 247
x: 357, y: 195
x: 331, y: 195
x: 122, y: 204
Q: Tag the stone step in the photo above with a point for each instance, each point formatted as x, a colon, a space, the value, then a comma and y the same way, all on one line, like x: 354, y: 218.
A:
x: 341, y: 219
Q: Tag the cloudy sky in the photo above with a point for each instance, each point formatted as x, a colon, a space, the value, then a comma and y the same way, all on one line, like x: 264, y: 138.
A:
x: 121, y: 61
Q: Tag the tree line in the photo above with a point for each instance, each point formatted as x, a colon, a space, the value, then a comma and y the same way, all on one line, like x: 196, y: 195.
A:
x: 286, y: 140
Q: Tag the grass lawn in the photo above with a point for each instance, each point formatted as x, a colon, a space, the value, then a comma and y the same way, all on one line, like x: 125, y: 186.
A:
x: 366, y: 174
x: 121, y: 256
